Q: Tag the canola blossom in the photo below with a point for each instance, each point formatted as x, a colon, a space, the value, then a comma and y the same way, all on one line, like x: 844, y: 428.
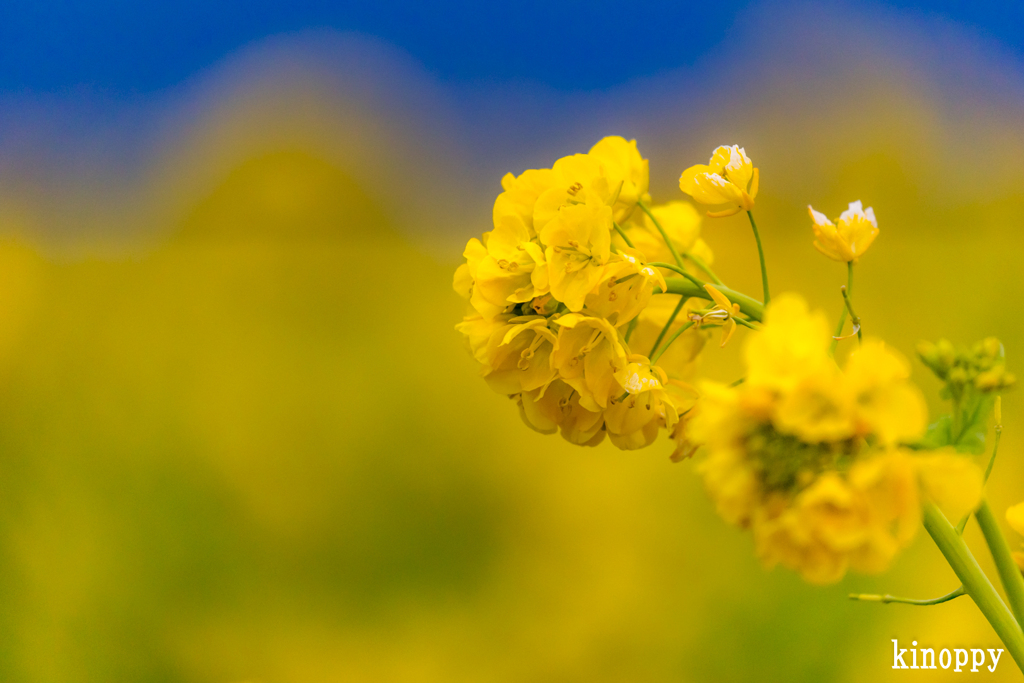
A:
x: 591, y: 308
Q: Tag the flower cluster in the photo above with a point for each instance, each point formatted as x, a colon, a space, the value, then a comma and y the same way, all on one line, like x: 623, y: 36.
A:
x: 808, y: 456
x: 591, y: 308
x: 560, y: 298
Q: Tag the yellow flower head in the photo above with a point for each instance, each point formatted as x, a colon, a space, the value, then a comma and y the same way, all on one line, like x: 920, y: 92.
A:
x: 849, y: 237
x: 626, y: 288
x: 728, y: 180
x: 558, y: 408
x: 587, y: 356
x: 647, y: 406
x: 792, y: 344
x: 504, y: 269
x: 578, y: 241
x: 626, y: 171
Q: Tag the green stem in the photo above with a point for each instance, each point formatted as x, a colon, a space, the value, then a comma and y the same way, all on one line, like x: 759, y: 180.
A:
x: 760, y: 255
x: 664, y: 235
x: 988, y: 471
x: 682, y: 271
x: 699, y: 262
x: 630, y: 328
x: 975, y: 583
x: 842, y: 316
x: 622, y: 234
x: 663, y: 349
x: 995, y: 449
x: 1009, y: 572
x: 854, y: 318
x: 885, y: 599
x: 671, y: 319
x: 748, y: 305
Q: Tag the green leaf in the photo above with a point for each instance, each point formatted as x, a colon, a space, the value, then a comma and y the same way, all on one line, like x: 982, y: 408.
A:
x: 938, y: 434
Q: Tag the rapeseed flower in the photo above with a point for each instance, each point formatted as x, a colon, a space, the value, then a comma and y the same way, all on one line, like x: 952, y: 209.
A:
x: 807, y: 455
x: 1015, y: 516
x: 728, y: 180
x: 578, y: 245
x: 849, y: 237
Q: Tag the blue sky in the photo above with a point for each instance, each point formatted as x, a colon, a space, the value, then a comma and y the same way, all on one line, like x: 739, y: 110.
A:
x: 132, y: 47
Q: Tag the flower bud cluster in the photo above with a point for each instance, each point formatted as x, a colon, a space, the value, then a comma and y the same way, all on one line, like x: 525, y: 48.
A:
x: 982, y: 367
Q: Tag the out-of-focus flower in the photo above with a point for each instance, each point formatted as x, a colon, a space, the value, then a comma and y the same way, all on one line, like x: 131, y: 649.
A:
x: 806, y: 456
x: 1015, y: 516
x: 849, y: 237
x: 728, y: 180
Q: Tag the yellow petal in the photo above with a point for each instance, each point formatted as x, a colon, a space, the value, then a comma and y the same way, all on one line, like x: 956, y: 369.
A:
x: 718, y: 298
x: 952, y: 482
x: 727, y: 330
x: 1015, y: 516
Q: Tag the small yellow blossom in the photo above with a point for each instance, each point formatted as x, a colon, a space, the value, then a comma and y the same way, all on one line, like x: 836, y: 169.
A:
x: 792, y: 344
x: 723, y: 312
x: 514, y: 352
x: 587, y: 356
x: 849, y: 237
x: 558, y: 408
x: 521, y: 194
x: 887, y: 404
x: 951, y: 481
x: 634, y: 422
x: 504, y: 269
x: 626, y: 288
x: 1015, y: 516
x: 627, y: 172
x: 578, y: 241
x: 729, y: 179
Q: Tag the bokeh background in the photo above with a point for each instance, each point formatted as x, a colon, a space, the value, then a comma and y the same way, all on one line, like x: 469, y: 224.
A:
x: 239, y: 437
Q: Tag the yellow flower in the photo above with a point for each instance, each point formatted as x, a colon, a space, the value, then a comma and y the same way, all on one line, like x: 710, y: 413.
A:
x: 478, y: 332
x: 818, y: 409
x: 515, y: 352
x: 521, y: 194
x: 1015, y: 516
x: 792, y: 343
x: 626, y: 288
x: 849, y: 237
x: 951, y: 481
x: 887, y: 404
x: 587, y: 356
x: 634, y: 422
x: 858, y: 521
x: 558, y: 407
x: 505, y: 269
x: 729, y: 179
x: 626, y: 171
x: 723, y: 312
x: 578, y: 241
